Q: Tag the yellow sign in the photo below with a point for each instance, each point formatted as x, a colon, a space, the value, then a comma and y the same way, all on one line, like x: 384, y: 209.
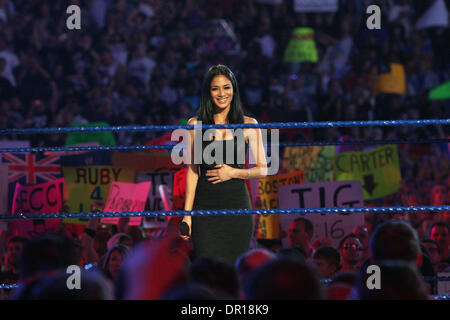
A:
x: 392, y: 82
x: 377, y: 169
x: 315, y: 161
x: 86, y: 184
x: 269, y: 225
x: 301, y: 47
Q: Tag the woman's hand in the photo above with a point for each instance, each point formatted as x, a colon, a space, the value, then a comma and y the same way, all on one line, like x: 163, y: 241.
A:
x: 222, y: 173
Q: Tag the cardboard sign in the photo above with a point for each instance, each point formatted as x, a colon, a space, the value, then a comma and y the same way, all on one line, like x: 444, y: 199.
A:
x: 314, y: 161
x: 435, y: 16
x: 301, y: 47
x: 323, y: 195
x: 125, y: 197
x: 84, y: 185
x: 29, y: 169
x: 154, y: 200
x: 393, y: 82
x: 268, y: 192
x: 39, y: 198
x: 14, y: 144
x: 377, y: 169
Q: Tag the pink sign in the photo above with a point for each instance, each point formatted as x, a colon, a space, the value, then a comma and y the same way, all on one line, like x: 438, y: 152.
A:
x: 39, y: 198
x: 125, y: 197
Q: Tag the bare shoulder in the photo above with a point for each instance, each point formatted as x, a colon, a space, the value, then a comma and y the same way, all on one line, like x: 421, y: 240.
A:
x: 249, y: 120
x: 192, y: 121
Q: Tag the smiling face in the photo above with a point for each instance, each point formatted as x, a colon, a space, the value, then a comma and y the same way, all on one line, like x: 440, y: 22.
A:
x: 221, y: 91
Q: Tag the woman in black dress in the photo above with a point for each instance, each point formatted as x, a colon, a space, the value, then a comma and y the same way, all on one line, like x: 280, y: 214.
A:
x: 221, y: 185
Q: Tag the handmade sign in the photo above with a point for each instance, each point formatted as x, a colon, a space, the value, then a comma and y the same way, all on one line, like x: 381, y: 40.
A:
x: 323, y: 195
x: 377, y: 169
x: 125, y: 197
x: 268, y: 192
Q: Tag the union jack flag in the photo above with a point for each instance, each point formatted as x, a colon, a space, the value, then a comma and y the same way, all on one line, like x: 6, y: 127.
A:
x: 31, y: 166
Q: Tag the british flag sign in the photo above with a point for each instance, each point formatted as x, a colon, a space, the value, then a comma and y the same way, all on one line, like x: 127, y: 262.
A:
x: 30, y: 168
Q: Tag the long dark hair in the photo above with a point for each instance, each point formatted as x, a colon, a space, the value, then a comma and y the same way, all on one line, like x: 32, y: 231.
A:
x: 206, y: 111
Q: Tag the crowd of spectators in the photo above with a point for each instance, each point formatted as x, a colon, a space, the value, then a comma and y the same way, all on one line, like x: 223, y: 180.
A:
x: 122, y: 265
x: 142, y: 63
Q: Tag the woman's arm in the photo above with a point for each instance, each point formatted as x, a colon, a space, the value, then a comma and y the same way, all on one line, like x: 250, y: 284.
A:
x: 257, y: 152
x: 225, y: 172
x: 191, y: 177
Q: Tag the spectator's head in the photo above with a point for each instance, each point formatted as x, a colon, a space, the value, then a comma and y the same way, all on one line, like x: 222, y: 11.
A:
x: 220, y: 90
x: 13, y: 252
x: 301, y: 231
x: 363, y: 235
x: 252, y: 260
x: 327, y: 261
x: 47, y: 253
x: 434, y: 250
x: 113, y: 260
x: 351, y: 249
x: 439, y: 232
x: 394, y: 240
x: 93, y: 286
x: 283, y: 279
x: 217, y: 275
x: 399, y: 280
x: 439, y: 195
x: 295, y: 253
x: 424, y: 227
x: 341, y: 285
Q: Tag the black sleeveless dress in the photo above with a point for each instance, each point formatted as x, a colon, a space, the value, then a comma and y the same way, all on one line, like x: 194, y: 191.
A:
x: 223, y: 237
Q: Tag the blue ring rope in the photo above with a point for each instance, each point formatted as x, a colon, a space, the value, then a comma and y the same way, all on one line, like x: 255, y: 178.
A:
x: 171, y: 146
x: 274, y: 125
x: 66, y: 215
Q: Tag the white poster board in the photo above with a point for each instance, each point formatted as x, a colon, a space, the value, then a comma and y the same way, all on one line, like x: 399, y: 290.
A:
x: 13, y: 144
x: 322, y: 195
